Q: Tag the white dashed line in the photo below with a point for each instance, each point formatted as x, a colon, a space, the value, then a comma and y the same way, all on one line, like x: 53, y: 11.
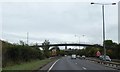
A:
x: 52, y: 65
x: 84, y: 68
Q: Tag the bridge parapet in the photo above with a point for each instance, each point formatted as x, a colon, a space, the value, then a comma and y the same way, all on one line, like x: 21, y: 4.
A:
x: 94, y: 45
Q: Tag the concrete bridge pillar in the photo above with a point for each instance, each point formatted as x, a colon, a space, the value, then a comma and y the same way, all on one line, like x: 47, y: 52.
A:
x: 65, y: 47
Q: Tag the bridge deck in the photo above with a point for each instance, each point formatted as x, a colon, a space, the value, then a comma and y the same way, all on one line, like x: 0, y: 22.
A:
x: 94, y: 45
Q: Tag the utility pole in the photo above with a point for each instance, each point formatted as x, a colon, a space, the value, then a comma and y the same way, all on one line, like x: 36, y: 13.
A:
x: 27, y: 38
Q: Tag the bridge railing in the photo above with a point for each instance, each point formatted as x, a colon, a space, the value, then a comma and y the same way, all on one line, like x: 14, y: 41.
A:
x: 77, y: 43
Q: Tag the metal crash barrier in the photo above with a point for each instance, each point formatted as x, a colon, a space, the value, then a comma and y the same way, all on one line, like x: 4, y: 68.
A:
x: 114, y: 65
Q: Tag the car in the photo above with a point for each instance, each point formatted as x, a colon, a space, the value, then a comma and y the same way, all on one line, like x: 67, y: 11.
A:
x: 107, y: 58
x: 65, y: 55
x: 101, y: 57
x: 73, y: 56
x: 83, y: 56
x: 78, y: 56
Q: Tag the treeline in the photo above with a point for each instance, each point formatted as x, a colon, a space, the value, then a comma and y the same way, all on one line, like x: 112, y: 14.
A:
x: 18, y: 53
x: 112, y: 50
x: 15, y: 53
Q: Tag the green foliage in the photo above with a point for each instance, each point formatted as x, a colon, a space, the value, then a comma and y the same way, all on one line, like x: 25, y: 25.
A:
x: 46, y: 48
x: 28, y: 66
x: 112, y: 49
x: 19, y: 53
x: 62, y: 52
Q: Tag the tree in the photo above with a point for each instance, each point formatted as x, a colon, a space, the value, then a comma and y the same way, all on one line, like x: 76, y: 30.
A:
x: 112, y: 49
x: 118, y: 53
x: 22, y: 43
x: 108, y: 44
x: 62, y: 52
x: 46, y: 48
x: 15, y: 54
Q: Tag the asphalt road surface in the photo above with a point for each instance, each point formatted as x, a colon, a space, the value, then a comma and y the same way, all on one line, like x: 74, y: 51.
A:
x: 66, y: 63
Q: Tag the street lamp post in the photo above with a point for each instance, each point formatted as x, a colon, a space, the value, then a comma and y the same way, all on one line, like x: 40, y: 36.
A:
x: 104, y: 24
x: 83, y: 37
x: 79, y: 39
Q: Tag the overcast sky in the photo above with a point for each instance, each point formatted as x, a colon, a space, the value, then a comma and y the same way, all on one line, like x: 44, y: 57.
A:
x: 57, y: 21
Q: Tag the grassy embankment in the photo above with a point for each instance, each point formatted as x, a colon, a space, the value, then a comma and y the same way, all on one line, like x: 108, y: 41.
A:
x: 33, y: 65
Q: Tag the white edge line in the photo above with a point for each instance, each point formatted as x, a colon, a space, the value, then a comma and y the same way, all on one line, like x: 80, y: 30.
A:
x: 53, y: 65
x: 84, y: 68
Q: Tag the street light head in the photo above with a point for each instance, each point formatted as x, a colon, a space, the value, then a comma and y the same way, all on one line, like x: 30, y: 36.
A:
x: 113, y: 3
x: 92, y: 3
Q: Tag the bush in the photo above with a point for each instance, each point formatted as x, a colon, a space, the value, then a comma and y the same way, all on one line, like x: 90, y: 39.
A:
x: 18, y: 53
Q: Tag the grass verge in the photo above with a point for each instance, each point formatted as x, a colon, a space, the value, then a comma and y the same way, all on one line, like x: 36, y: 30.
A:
x: 33, y: 65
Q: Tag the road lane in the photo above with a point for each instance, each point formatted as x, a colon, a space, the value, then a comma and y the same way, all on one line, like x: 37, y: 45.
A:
x: 66, y: 63
x: 53, y: 65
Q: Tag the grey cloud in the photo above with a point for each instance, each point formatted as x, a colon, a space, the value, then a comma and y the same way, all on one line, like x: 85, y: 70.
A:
x: 52, y: 18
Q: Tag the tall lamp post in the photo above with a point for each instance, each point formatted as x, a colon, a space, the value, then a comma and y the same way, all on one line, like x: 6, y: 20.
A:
x: 79, y: 39
x: 103, y: 4
x: 83, y: 37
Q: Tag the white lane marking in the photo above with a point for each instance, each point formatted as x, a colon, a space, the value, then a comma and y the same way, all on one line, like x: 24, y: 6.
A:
x: 75, y: 63
x: 84, y: 68
x: 52, y: 65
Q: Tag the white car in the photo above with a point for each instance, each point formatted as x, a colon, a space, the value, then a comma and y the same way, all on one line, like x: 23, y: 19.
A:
x: 73, y: 56
x: 108, y: 58
x: 78, y: 56
x: 83, y: 56
x: 65, y: 55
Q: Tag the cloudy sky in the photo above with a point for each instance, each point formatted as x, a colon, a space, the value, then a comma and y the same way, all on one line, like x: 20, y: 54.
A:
x: 57, y: 21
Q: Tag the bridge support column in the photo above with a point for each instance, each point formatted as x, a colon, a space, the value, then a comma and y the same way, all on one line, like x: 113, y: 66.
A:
x: 65, y: 47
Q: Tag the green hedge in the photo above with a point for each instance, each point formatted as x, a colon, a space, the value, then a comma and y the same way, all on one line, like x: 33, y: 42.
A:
x: 18, y: 53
